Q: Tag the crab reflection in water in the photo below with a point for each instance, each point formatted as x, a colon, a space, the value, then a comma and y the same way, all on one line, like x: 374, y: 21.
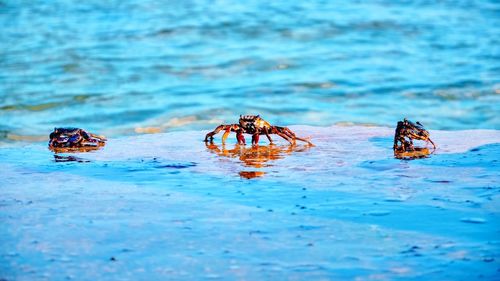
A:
x: 82, y: 149
x: 256, y: 156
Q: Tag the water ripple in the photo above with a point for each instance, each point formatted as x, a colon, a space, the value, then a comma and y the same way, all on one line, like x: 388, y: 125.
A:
x: 119, y: 66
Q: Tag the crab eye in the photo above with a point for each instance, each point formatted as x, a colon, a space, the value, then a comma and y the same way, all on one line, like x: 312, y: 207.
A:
x: 418, y: 123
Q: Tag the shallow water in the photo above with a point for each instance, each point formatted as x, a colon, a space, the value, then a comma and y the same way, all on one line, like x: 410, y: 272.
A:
x: 169, y: 207
x: 147, y: 66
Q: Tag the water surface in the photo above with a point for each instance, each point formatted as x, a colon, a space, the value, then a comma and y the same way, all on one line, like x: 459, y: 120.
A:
x: 169, y: 207
x: 127, y: 67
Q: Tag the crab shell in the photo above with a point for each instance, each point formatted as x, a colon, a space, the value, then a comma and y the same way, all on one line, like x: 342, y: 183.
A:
x: 250, y: 123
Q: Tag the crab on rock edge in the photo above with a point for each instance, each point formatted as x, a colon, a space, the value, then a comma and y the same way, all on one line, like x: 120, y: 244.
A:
x: 74, y: 138
x: 255, y: 126
x: 406, y: 132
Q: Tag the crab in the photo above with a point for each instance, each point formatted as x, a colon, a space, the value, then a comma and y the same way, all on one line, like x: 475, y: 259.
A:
x: 74, y: 138
x: 406, y: 132
x: 256, y: 126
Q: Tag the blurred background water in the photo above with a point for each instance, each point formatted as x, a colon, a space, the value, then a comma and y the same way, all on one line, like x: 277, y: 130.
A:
x: 139, y: 66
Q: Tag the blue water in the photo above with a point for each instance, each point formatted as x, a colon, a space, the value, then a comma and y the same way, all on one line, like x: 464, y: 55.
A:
x: 169, y: 207
x: 127, y: 67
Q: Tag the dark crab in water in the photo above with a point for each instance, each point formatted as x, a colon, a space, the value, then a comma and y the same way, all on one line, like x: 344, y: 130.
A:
x: 255, y: 126
x: 74, y: 138
x: 406, y: 132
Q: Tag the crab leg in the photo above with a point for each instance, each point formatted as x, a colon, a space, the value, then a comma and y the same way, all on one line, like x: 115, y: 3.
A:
x: 412, y: 148
x: 266, y: 132
x: 288, y: 133
x: 291, y: 135
x: 255, y: 138
x: 395, y: 146
x: 239, y: 137
x: 291, y: 141
x: 431, y: 143
x: 84, y: 134
x: 98, y: 138
x: 226, y: 134
x: 279, y: 131
x: 304, y: 140
x: 227, y: 129
x: 403, y: 143
x: 214, y: 132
